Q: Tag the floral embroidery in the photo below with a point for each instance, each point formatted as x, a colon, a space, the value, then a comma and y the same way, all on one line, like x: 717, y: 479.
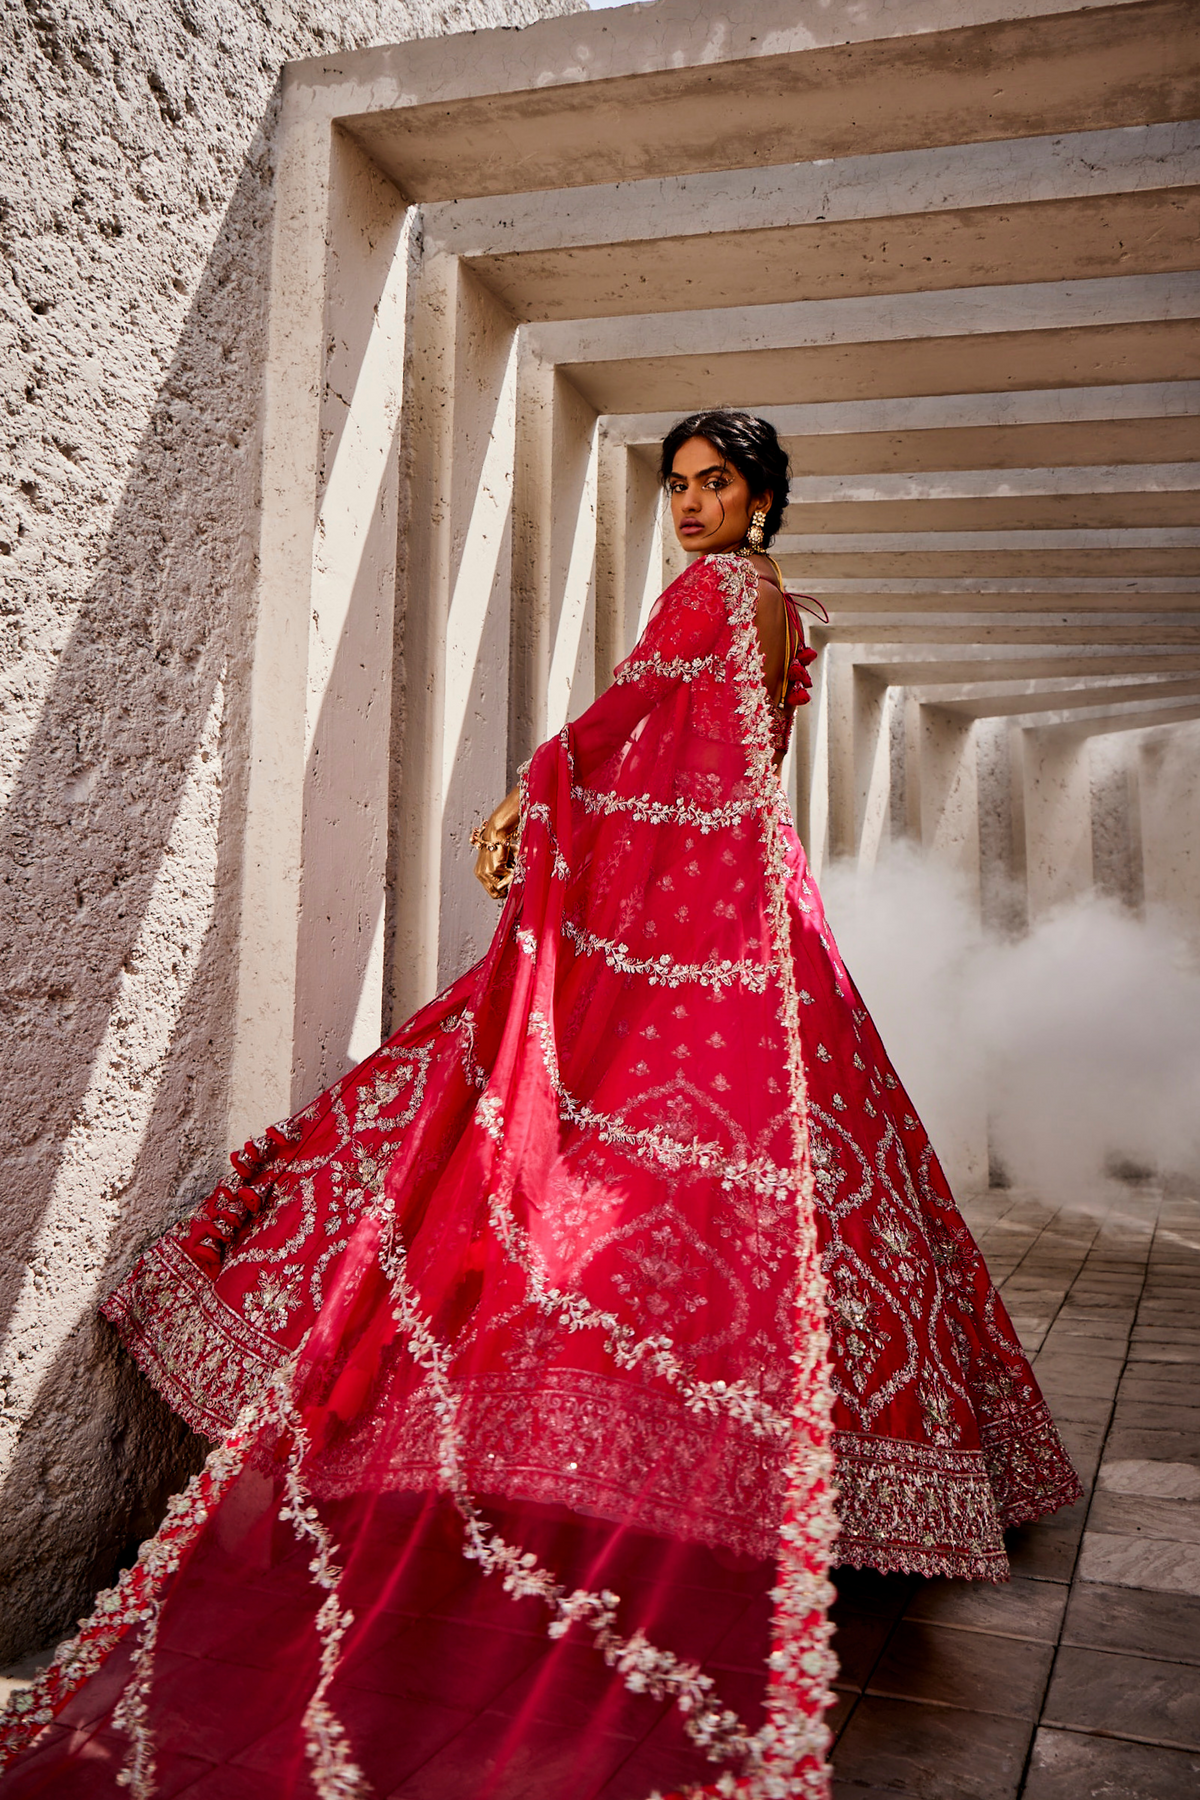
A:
x: 663, y: 970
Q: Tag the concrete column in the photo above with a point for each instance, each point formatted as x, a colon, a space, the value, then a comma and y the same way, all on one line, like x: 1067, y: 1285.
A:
x: 260, y: 1077
x: 908, y: 752
x: 646, y: 522
x: 1117, y: 865
x: 1169, y: 807
x: 340, y: 937
x: 424, y: 600
x: 1058, y: 819
x: 628, y: 552
x: 948, y: 802
x: 812, y: 814
x: 949, y: 794
x: 1003, y: 901
x: 473, y: 774
x: 611, y: 482
x: 461, y: 446
x: 841, y: 771
x: 532, y: 512
x: 310, y: 953
x: 873, y: 706
x: 557, y: 494
x: 571, y: 677
x: 898, y: 820
x: 798, y: 773
x: 674, y: 556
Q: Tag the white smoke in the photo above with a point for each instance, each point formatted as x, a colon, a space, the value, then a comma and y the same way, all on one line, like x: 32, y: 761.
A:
x: 1075, y: 1050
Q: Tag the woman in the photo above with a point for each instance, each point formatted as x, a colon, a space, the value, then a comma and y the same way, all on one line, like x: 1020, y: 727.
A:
x: 544, y: 1328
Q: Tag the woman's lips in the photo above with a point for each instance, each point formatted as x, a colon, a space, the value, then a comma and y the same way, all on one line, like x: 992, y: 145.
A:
x: 692, y: 529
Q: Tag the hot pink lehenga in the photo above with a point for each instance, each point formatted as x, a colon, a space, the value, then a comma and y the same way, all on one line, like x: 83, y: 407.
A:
x: 556, y: 1351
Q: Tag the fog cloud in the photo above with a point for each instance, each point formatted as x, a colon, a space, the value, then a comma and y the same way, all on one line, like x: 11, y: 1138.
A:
x: 1076, y: 1048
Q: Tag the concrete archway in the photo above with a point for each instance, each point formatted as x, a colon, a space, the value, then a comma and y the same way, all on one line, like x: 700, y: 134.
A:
x: 950, y: 250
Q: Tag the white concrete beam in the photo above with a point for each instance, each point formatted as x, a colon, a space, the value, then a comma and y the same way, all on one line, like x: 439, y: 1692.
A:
x: 1020, y: 356
x: 956, y: 671
x: 946, y: 412
x: 929, y: 633
x: 871, y: 318
x: 900, y: 543
x: 995, y: 484
x: 630, y: 95
x: 1065, y: 700
x: 944, y: 178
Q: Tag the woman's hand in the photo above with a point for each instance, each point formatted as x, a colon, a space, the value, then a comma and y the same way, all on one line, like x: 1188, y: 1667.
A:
x: 496, y: 842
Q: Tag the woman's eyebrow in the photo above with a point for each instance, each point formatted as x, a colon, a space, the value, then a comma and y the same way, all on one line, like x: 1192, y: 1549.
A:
x: 716, y: 469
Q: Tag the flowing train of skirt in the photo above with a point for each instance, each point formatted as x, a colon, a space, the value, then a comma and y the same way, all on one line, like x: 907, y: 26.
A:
x: 942, y: 1438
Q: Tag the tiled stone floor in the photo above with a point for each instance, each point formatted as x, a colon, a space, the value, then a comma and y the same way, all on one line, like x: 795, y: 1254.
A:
x: 1080, y: 1680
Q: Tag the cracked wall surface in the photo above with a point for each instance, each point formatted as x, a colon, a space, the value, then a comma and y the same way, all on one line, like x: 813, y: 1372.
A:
x: 136, y: 228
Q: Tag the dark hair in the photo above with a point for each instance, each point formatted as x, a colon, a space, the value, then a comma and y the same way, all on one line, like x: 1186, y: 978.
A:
x: 749, y: 443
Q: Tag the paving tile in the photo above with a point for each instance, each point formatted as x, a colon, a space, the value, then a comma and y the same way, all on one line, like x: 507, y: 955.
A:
x: 1084, y: 1442
x: 932, y: 1752
x: 1159, y: 1382
x: 969, y: 1669
x: 1145, y: 1515
x: 1156, y: 1480
x: 1067, y: 1765
x: 857, y: 1643
x: 1116, y: 1315
x: 1082, y: 1409
x: 1119, y: 1274
x: 1153, y: 1443
x: 1125, y: 1696
x: 1158, y: 1415
x: 1020, y: 1608
x: 844, y: 1702
x: 866, y: 1590
x: 1078, y: 1374
x: 1140, y: 1562
x: 1046, y: 1550
x: 1079, y: 1336
x: 1141, y: 1351
x: 1135, y: 1620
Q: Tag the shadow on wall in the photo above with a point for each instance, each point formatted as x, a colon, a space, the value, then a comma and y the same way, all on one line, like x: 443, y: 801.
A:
x: 119, y: 1002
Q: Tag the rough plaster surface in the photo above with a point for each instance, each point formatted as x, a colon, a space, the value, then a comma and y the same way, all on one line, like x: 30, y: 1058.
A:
x: 136, y: 230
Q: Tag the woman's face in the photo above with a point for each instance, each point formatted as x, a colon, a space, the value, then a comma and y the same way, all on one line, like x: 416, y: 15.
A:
x: 710, y: 502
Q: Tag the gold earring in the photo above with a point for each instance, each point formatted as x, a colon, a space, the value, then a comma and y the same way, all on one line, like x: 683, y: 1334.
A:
x: 754, y: 537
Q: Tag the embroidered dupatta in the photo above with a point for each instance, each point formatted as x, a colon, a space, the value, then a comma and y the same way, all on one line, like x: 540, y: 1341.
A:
x: 563, y: 1419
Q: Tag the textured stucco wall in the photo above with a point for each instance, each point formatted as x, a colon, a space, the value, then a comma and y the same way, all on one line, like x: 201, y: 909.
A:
x: 136, y: 238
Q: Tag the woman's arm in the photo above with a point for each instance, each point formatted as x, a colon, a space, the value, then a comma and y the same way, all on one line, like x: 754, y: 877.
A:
x: 681, y: 637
